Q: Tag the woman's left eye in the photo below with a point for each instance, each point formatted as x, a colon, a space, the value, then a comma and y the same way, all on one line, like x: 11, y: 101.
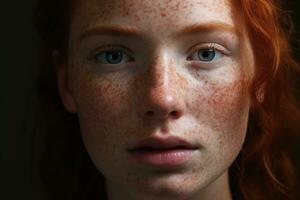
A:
x: 206, y: 55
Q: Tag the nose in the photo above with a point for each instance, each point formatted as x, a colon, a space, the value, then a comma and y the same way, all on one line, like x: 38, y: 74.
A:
x: 162, y: 98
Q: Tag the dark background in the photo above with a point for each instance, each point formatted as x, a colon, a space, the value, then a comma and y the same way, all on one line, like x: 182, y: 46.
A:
x: 18, y: 62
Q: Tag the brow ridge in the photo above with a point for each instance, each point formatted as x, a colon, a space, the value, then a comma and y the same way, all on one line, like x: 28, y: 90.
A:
x: 131, y: 31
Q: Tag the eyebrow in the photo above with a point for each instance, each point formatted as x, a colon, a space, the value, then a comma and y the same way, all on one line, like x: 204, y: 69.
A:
x: 206, y: 27
x: 130, y: 31
x: 113, y: 30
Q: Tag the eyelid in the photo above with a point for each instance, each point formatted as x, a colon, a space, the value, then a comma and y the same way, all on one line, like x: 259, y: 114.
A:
x: 106, y: 48
x: 214, y: 46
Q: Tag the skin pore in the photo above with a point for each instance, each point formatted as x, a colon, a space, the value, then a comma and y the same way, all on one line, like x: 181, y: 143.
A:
x: 161, y: 72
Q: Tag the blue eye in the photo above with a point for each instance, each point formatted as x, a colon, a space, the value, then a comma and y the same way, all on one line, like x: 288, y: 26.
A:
x: 207, y: 55
x: 109, y: 57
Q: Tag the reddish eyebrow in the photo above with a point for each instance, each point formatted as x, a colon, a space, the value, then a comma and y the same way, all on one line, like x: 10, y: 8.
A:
x: 206, y: 27
x: 114, y: 30
x: 129, y: 31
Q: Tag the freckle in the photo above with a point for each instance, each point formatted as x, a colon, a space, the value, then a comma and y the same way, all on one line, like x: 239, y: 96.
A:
x: 136, y: 18
x: 163, y: 14
x: 177, y: 6
x: 221, y: 143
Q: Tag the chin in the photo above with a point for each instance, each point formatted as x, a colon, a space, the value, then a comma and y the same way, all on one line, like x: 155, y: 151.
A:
x: 168, y: 186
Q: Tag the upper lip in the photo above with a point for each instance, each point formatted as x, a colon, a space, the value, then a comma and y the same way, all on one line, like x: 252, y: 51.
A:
x: 162, y: 143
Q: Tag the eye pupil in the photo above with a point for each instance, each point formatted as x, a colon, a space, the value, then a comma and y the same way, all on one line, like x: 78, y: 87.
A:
x: 114, y: 57
x: 206, y: 54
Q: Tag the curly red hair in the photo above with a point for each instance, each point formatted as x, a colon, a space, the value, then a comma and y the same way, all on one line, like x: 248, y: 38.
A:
x: 262, y: 170
x: 265, y: 171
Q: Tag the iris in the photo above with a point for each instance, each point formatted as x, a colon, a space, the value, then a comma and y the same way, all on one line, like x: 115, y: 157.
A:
x: 206, y: 55
x: 109, y: 57
x: 113, y: 57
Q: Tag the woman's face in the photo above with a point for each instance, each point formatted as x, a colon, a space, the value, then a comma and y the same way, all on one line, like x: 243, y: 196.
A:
x: 138, y: 69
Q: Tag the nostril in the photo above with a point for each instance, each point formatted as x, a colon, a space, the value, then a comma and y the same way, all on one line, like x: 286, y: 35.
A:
x: 149, y: 113
x: 174, y: 113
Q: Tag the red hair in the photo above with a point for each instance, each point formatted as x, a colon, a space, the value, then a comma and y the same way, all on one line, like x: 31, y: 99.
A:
x: 262, y: 170
x: 265, y: 171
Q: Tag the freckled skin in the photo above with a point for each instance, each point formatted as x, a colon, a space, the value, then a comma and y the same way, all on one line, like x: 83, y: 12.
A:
x: 212, y: 105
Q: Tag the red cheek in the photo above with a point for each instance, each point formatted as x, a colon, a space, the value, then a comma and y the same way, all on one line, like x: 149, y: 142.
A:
x: 103, y: 97
x: 224, y: 95
x: 221, y: 102
x: 113, y: 95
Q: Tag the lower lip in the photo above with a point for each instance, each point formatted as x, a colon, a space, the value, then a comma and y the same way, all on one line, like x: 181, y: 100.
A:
x: 166, y: 158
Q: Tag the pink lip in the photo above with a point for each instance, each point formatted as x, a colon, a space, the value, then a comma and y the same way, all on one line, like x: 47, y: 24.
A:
x: 162, y: 143
x: 163, y: 158
x: 168, y: 151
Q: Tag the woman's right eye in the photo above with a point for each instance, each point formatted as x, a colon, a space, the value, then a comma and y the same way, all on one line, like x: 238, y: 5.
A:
x: 111, y: 56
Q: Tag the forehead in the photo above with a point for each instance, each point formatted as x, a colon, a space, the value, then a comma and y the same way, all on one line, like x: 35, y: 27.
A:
x: 153, y: 15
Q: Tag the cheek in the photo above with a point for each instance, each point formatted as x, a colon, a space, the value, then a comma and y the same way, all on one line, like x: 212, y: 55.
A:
x: 221, y: 102
x: 101, y: 97
x: 227, y: 102
x: 221, y: 109
x: 102, y: 104
x: 103, y: 107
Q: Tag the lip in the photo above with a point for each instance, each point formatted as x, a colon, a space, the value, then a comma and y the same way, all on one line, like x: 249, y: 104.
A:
x: 156, y: 142
x: 171, y: 158
x: 170, y: 152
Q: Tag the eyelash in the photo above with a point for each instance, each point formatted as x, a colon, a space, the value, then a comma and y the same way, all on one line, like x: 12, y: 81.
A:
x: 93, y: 55
x: 127, y: 52
x: 208, y: 46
